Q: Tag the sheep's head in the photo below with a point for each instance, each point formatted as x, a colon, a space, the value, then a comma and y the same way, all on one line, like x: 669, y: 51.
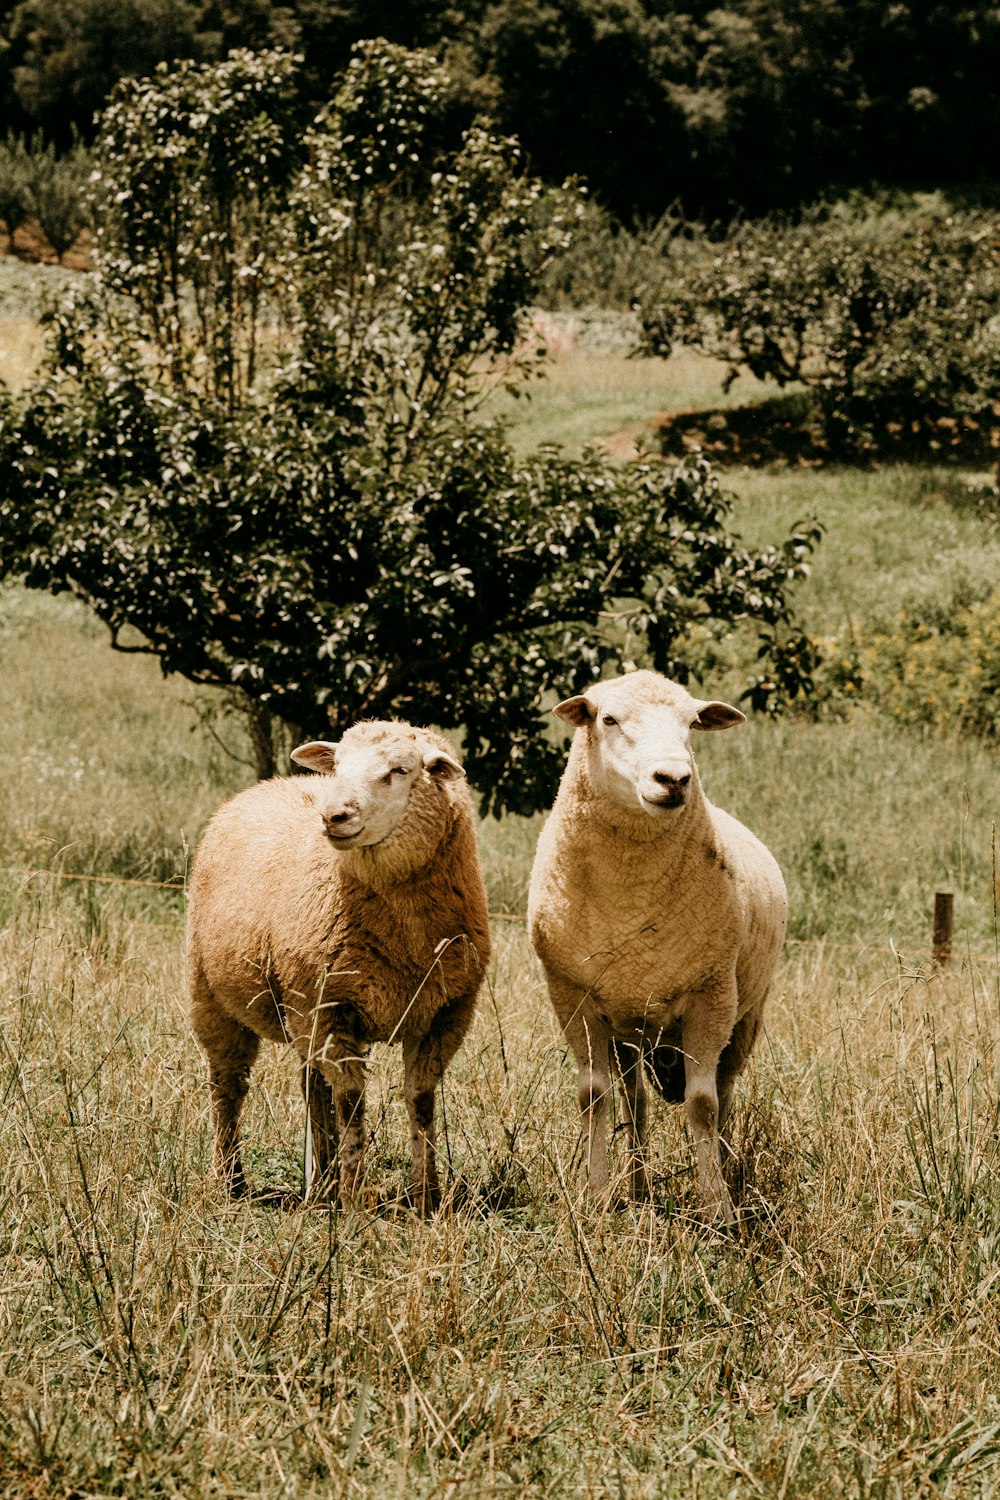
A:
x: 373, y: 776
x: 637, y: 739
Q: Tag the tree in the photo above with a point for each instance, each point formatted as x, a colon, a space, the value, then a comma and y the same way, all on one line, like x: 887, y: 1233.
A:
x: 259, y: 450
x: 585, y: 84
x: 770, y: 103
x: 70, y: 53
x: 888, y: 319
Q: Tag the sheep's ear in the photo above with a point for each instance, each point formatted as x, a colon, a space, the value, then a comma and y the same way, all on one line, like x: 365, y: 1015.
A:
x: 576, y: 711
x: 318, y: 755
x: 445, y: 767
x: 718, y: 716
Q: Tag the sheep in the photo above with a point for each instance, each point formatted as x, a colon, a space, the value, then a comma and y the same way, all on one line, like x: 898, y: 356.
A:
x: 331, y: 912
x: 658, y: 920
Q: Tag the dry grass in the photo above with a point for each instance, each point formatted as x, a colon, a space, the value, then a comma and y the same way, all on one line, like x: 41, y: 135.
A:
x: 157, y: 1341
x: 25, y: 291
x: 21, y: 345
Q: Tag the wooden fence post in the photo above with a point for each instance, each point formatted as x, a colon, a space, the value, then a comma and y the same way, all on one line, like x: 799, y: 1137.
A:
x: 944, y: 908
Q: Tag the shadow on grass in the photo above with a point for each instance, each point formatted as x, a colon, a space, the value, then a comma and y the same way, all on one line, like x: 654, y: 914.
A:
x: 788, y: 431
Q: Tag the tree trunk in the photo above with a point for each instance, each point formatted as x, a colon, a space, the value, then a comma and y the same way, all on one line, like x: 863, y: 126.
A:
x: 272, y: 739
x: 260, y: 726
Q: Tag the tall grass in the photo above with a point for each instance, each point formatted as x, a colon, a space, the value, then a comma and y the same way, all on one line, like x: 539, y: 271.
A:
x: 104, y: 768
x: 158, y: 1341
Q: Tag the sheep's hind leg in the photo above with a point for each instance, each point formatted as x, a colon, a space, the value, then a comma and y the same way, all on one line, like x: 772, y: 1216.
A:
x: 731, y: 1064
x: 629, y: 1060
x: 703, y: 1045
x: 231, y: 1050
x: 424, y: 1062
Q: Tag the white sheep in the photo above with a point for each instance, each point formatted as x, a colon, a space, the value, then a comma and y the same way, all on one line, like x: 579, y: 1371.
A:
x: 658, y: 919
x: 332, y: 912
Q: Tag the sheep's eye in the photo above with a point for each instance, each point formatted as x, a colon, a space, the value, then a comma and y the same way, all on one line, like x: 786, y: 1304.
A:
x: 399, y: 771
x: 610, y: 721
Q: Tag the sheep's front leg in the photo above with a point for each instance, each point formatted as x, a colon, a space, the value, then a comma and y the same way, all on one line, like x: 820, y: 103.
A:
x: 705, y: 1031
x: 629, y: 1061
x: 349, y: 1099
x: 590, y: 1039
x: 323, y: 1131
x: 345, y: 1076
x: 424, y: 1062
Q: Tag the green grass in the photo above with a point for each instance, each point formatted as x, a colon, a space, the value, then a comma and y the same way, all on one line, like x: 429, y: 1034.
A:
x: 156, y: 1341
x: 104, y: 768
x: 893, y: 535
x: 587, y: 397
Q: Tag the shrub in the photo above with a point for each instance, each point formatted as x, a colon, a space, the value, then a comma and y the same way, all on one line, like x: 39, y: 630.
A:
x: 15, y: 182
x: 59, y: 192
x: 934, y: 667
x: 890, y: 323
x: 37, y: 182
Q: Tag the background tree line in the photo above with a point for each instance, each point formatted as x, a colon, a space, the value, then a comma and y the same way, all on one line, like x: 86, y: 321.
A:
x: 749, y: 107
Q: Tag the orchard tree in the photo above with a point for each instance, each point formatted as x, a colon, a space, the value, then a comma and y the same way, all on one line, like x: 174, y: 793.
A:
x: 259, y: 450
x: 888, y: 320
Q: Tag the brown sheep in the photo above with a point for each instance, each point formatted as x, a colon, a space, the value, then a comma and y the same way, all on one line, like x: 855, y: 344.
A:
x: 335, y: 911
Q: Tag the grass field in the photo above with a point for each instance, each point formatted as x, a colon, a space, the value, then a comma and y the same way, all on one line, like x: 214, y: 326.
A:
x: 846, y: 1341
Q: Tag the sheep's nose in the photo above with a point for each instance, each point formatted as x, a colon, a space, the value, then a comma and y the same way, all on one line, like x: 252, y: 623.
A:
x: 336, y: 820
x: 673, y: 783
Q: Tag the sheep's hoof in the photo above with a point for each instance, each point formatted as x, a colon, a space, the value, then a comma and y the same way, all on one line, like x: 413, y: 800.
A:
x: 349, y: 1203
x: 322, y: 1190
x: 598, y: 1194
x: 719, y: 1213
x: 229, y: 1175
x: 425, y: 1200
x: 285, y: 1199
x: 600, y: 1205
